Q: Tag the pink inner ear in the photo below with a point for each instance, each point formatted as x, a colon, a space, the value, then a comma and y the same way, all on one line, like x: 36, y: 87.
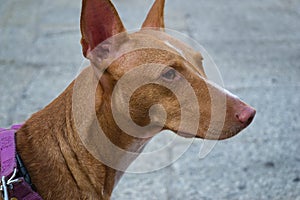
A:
x: 99, y: 21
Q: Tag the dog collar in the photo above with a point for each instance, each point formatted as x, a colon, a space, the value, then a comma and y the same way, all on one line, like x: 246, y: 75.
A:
x: 15, y: 181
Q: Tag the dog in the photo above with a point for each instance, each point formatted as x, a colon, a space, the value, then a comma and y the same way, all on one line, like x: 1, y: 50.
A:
x: 51, y: 143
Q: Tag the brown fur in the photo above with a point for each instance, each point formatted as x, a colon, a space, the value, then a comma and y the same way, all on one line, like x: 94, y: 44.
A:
x: 58, y: 162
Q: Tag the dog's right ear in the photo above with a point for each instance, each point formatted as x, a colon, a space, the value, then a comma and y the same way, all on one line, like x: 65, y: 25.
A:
x: 99, y: 21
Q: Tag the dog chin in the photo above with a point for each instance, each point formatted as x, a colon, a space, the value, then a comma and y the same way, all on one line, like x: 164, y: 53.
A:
x: 186, y: 135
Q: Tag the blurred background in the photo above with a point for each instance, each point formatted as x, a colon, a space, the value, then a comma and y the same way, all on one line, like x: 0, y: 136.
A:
x: 255, y: 44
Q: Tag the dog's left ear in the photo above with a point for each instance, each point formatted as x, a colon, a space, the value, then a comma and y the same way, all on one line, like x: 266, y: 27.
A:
x: 99, y: 21
x: 155, y: 17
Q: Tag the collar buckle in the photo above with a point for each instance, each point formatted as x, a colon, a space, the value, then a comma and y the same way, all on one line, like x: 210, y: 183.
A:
x: 8, y: 185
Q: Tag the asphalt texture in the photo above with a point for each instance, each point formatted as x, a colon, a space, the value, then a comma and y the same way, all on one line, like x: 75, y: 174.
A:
x: 255, y: 44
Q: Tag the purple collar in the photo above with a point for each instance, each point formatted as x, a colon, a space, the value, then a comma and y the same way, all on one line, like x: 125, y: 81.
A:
x: 12, y: 184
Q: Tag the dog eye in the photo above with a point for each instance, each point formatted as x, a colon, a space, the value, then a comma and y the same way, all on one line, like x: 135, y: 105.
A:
x: 169, y: 74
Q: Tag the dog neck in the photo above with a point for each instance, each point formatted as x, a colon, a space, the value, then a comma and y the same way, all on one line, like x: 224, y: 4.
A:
x: 56, y: 157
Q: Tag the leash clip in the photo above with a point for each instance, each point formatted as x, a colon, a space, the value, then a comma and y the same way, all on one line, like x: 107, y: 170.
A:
x: 6, y: 185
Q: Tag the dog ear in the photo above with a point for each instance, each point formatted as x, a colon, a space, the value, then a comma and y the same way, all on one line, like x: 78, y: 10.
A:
x: 99, y: 21
x: 155, y: 17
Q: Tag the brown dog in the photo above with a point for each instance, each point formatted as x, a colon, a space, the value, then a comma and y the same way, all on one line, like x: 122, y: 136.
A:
x: 50, y: 143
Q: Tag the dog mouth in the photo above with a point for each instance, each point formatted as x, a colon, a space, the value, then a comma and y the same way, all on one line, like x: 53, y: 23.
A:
x: 212, y: 134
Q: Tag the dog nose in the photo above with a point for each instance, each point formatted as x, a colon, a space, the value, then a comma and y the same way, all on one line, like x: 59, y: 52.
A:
x: 246, y: 115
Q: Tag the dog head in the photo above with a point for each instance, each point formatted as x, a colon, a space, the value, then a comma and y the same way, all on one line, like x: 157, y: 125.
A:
x: 153, y: 80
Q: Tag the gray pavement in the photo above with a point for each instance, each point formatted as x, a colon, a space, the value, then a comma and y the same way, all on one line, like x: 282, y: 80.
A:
x: 256, y: 45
